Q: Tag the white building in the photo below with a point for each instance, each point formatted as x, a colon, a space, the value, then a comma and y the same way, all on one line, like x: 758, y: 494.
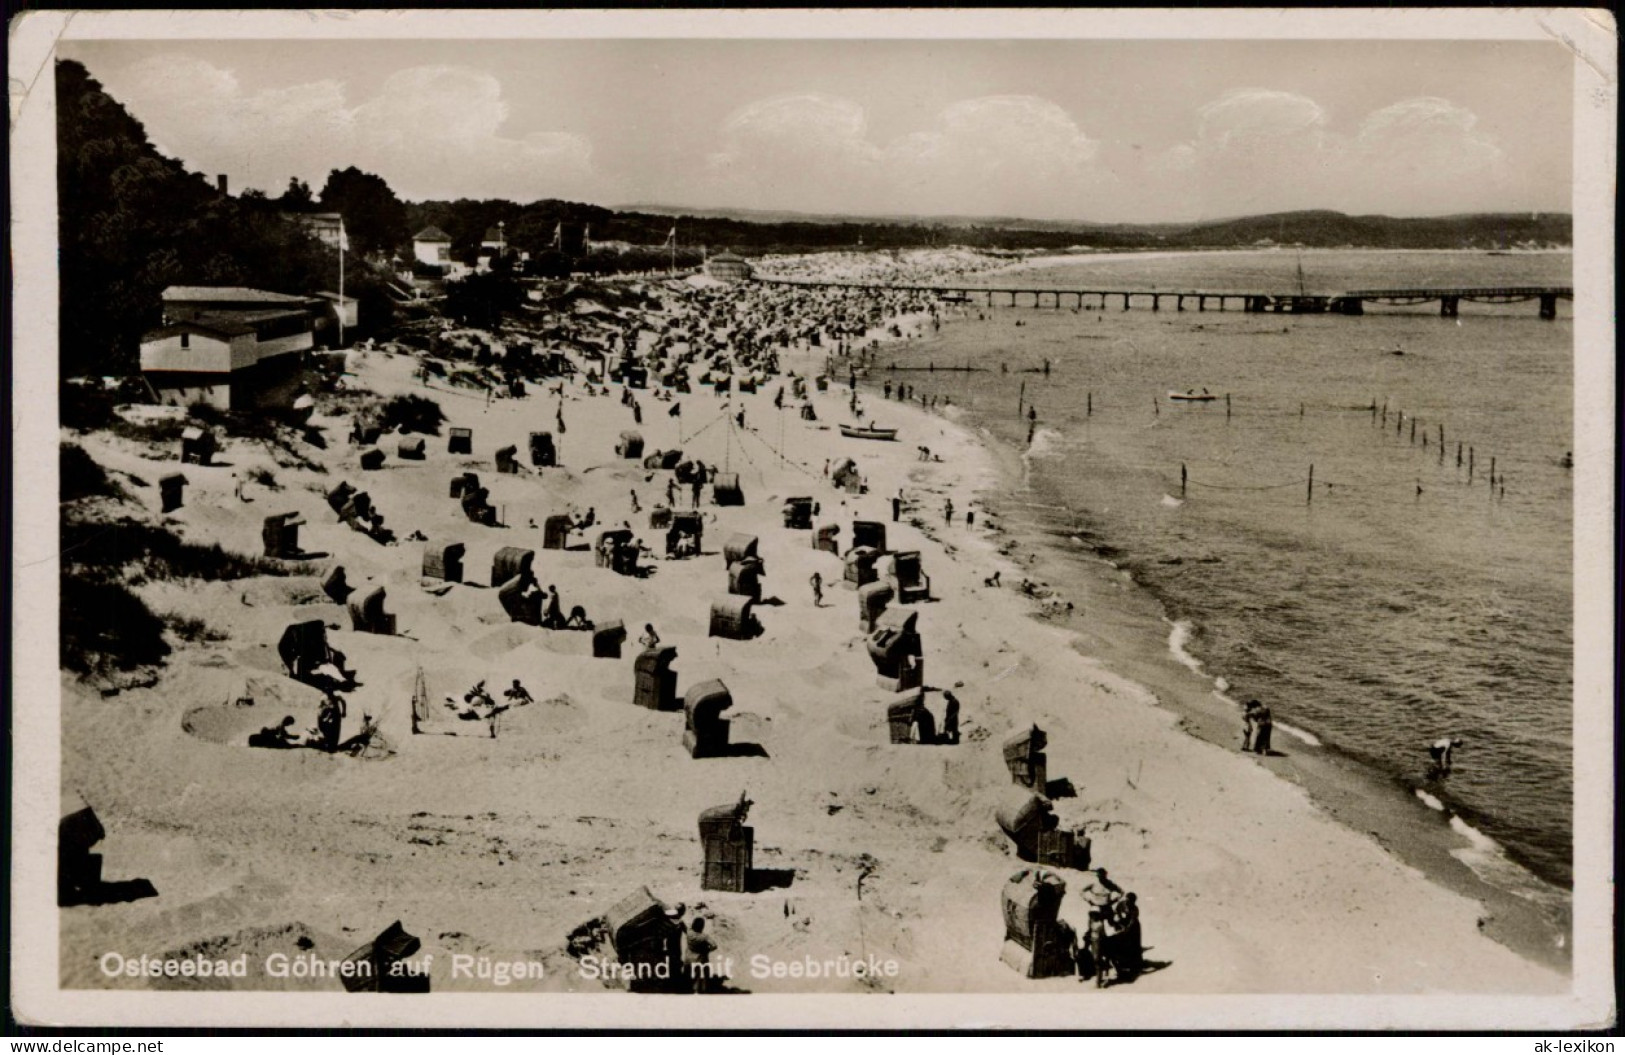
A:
x: 432, y: 246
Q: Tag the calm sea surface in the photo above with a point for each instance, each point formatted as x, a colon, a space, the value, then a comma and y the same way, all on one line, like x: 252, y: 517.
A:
x: 1407, y: 600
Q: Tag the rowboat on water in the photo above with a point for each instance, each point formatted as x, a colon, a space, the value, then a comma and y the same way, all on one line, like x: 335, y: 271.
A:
x: 868, y: 432
x: 1192, y: 396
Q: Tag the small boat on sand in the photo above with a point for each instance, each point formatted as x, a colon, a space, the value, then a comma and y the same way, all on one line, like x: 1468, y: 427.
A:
x: 868, y: 432
x: 1190, y: 395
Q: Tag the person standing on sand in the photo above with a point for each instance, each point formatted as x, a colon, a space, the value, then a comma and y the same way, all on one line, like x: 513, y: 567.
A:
x: 1128, y: 956
x: 650, y: 639
x: 897, y: 506
x: 636, y: 508
x: 697, y: 486
x: 330, y: 721
x: 1263, y: 726
x: 817, y: 582
x: 950, y: 718
x: 698, y: 960
x: 948, y: 512
x: 1095, y: 945
x: 1249, y: 724
x: 671, y: 492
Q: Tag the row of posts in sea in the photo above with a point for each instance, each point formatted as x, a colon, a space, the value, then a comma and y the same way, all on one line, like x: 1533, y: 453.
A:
x: 1497, y: 481
x: 1466, y: 455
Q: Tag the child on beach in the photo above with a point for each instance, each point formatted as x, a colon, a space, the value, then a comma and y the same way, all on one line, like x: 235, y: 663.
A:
x: 817, y: 582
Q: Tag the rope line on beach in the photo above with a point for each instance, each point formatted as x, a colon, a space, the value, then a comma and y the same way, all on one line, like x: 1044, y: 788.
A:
x: 798, y: 466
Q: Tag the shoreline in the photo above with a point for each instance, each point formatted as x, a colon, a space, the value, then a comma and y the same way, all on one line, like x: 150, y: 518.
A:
x: 503, y: 845
x: 1359, y: 795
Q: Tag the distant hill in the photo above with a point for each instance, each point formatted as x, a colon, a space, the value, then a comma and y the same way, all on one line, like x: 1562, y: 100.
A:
x: 1318, y: 228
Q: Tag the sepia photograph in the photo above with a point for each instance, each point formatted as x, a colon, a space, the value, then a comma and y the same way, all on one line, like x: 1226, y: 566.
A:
x: 959, y: 519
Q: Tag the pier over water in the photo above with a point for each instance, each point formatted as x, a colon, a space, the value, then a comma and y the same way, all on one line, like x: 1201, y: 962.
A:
x: 1352, y: 302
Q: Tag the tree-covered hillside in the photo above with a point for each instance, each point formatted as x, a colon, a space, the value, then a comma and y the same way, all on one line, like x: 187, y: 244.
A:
x: 132, y: 222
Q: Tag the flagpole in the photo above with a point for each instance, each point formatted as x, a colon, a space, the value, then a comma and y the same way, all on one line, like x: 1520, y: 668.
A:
x: 673, y: 269
x: 341, y: 281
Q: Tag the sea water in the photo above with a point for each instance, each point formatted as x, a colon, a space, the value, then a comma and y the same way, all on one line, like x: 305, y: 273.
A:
x: 1399, y: 598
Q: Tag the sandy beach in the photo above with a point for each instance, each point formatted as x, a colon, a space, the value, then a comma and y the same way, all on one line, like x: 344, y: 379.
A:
x: 501, y: 847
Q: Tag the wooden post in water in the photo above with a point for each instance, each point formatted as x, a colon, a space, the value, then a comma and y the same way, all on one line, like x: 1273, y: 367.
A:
x: 1182, y: 479
x: 1385, y: 412
x: 1300, y: 406
x: 1458, y: 454
x: 1156, y: 407
x: 1400, y: 423
x: 1021, y: 400
x: 1413, y: 430
x: 1492, y: 473
x: 1310, y: 497
x: 1469, y: 465
x: 1089, y: 405
x: 1227, y: 406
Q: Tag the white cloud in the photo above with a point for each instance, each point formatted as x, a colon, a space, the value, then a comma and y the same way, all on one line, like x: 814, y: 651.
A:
x: 1260, y: 150
x: 998, y: 155
x: 1256, y: 150
x: 1427, y: 150
x: 1015, y: 155
x: 806, y: 152
x: 438, y: 131
x: 424, y: 123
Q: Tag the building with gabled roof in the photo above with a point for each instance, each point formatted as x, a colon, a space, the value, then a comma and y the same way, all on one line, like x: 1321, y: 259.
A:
x: 432, y: 246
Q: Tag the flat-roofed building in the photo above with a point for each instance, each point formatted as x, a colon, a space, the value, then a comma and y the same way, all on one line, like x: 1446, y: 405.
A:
x: 233, y: 360
x: 188, y: 302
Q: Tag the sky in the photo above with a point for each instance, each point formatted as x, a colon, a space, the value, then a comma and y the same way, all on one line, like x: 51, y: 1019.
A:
x: 1102, y: 131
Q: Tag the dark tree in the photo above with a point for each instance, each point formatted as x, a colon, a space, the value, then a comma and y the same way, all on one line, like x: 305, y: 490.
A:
x: 297, y: 198
x: 374, y: 218
x: 482, y: 299
x: 132, y: 222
